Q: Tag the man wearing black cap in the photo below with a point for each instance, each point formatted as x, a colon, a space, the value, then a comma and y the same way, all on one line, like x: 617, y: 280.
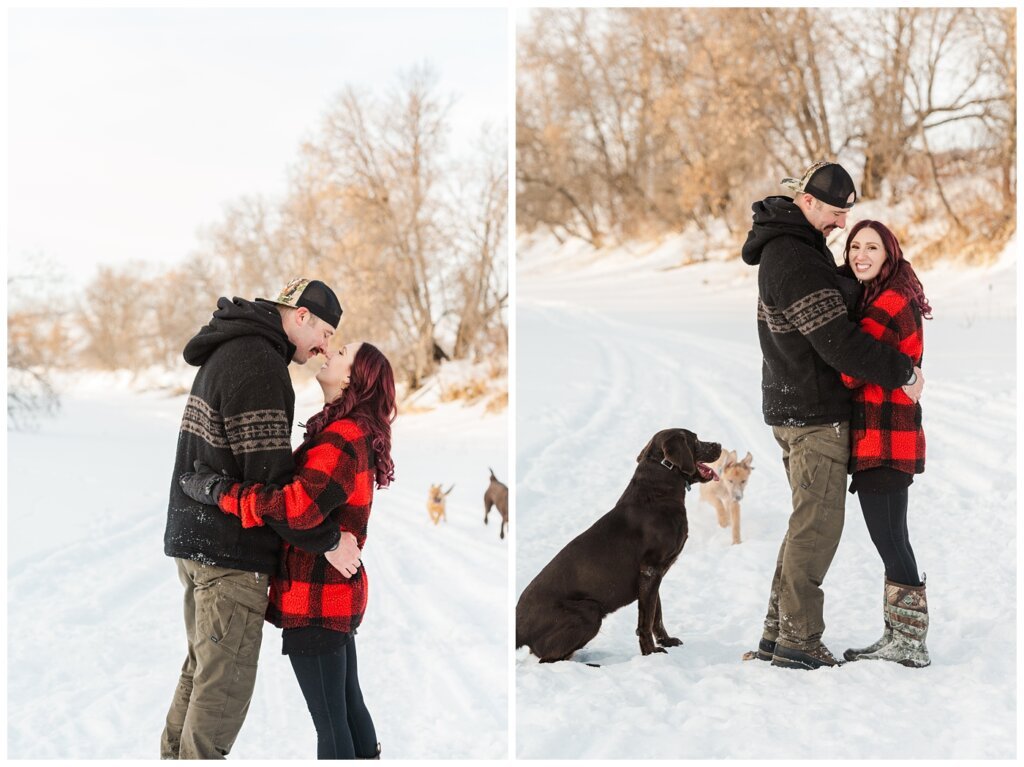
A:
x: 238, y: 420
x: 807, y: 338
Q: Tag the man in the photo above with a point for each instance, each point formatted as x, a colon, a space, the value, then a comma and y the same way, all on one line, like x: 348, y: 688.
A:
x: 807, y: 338
x: 238, y: 420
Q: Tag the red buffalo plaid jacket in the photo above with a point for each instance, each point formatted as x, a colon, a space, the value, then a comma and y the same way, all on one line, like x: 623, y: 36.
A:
x: 885, y: 426
x: 334, y: 482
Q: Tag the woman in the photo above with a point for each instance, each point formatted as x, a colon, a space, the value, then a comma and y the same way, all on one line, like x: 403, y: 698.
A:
x: 888, y: 446
x: 346, y: 450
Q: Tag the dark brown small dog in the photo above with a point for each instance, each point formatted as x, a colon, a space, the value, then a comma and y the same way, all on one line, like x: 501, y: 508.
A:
x: 496, y: 495
x: 621, y: 558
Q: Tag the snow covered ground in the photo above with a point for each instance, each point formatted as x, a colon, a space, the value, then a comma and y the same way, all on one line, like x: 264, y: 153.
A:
x: 95, y: 636
x: 613, y: 347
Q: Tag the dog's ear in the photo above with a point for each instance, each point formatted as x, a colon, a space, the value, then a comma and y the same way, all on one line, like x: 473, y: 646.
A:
x: 730, y: 458
x: 748, y: 460
x: 678, y: 450
x: 646, y: 450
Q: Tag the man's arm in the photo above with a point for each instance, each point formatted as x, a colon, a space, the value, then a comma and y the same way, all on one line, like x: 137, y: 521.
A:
x: 318, y: 540
x: 813, y: 305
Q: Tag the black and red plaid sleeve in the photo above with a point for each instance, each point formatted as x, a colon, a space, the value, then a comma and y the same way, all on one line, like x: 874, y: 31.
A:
x: 333, y: 471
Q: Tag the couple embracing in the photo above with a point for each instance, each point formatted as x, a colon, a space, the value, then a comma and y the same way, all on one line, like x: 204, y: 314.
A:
x: 259, y: 533
x: 841, y: 380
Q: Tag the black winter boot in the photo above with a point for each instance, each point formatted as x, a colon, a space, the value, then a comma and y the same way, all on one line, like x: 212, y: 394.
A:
x: 809, y: 658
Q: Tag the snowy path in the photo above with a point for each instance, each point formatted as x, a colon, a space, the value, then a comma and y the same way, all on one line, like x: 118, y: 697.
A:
x: 95, y: 635
x: 612, y: 353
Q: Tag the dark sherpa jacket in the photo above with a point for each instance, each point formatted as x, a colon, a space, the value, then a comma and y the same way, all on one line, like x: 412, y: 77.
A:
x: 333, y: 487
x: 238, y: 420
x: 807, y: 336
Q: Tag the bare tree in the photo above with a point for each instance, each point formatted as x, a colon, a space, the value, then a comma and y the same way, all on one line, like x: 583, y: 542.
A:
x: 382, y: 162
x: 633, y: 120
x: 38, y: 339
x: 481, y: 280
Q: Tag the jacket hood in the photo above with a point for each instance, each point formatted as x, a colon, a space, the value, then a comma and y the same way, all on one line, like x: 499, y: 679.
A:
x: 236, y: 318
x: 778, y: 217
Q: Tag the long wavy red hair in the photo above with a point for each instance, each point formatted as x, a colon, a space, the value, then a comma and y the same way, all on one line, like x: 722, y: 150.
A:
x: 896, y: 272
x: 369, y: 400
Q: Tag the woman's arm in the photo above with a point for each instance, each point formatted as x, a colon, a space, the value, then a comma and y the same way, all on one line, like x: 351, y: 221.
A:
x: 333, y: 472
x: 881, y: 321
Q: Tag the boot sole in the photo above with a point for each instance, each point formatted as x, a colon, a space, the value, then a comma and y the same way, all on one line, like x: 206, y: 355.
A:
x: 911, y: 664
x: 905, y: 662
x: 801, y: 665
x: 807, y: 665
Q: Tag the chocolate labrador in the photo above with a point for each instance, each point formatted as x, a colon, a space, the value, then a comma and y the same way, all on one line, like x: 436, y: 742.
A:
x: 621, y: 558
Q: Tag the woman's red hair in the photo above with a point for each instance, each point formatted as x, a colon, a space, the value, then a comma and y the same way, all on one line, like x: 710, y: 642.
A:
x: 369, y: 400
x: 896, y: 272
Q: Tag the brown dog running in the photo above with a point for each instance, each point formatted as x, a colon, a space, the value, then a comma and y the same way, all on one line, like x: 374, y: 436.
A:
x: 621, y: 558
x: 496, y: 495
x: 436, y: 503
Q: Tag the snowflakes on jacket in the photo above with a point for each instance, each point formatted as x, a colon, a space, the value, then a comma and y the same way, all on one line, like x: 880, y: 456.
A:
x: 885, y: 426
x: 333, y: 486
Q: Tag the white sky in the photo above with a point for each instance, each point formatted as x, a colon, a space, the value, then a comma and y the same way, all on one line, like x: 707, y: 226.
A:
x: 128, y: 130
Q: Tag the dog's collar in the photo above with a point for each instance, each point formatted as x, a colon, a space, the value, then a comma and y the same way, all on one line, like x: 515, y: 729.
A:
x: 673, y: 467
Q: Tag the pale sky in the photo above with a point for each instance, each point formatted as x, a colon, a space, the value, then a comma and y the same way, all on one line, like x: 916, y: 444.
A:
x: 129, y: 130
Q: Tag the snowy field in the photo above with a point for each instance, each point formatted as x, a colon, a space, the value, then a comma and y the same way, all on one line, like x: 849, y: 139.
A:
x: 95, y: 635
x: 613, y: 348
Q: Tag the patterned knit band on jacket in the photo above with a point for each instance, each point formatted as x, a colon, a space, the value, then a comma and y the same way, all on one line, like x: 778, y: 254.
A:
x: 885, y: 427
x: 333, y: 488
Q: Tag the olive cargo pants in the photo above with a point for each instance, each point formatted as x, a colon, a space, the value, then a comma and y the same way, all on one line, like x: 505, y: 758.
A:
x: 816, y: 460
x: 224, y: 612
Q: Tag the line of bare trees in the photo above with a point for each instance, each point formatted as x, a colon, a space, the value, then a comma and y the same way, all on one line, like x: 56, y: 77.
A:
x: 632, y: 122
x: 411, y: 235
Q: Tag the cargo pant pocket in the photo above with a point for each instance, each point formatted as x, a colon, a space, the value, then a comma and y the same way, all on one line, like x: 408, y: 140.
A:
x: 819, y: 460
x: 231, y: 617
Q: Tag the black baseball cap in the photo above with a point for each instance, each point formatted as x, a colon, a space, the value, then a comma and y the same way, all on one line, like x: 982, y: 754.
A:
x: 825, y: 181
x: 313, y: 295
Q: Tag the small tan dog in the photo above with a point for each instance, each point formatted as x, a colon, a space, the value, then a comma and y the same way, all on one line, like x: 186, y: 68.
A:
x: 725, y: 494
x: 436, y: 503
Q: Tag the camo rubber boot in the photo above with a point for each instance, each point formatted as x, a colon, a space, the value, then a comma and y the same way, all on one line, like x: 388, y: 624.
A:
x: 906, y: 608
x: 857, y: 654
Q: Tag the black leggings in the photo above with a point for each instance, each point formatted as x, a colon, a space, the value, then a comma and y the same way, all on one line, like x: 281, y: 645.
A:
x: 344, y: 729
x: 886, y: 518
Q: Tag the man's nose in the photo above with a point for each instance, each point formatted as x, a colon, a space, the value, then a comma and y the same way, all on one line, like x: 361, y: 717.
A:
x: 841, y: 223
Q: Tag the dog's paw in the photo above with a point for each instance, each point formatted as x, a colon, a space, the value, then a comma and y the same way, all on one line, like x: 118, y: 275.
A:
x: 651, y: 649
x: 670, y: 642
